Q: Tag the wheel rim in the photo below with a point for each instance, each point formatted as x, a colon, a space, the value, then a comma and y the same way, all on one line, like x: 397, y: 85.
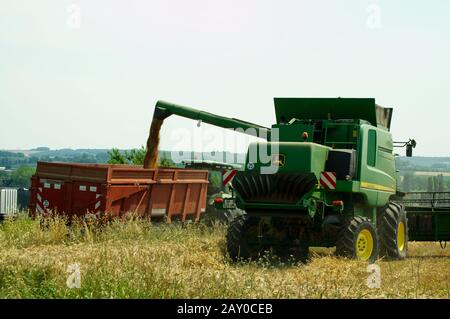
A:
x: 401, y: 236
x: 364, y: 245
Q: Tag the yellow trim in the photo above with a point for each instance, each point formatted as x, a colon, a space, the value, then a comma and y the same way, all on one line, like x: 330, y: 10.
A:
x: 377, y: 187
x: 364, y: 245
x: 401, y: 236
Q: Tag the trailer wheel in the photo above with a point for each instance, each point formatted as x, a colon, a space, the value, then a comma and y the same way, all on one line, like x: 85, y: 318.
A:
x: 358, y: 240
x: 242, y: 229
x: 393, y: 231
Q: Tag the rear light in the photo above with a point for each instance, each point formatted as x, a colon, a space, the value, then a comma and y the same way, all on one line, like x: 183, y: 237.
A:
x: 305, y: 136
x: 218, y: 200
x: 338, y: 203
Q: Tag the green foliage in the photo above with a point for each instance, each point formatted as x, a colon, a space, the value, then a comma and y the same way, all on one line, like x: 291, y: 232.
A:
x: 11, y: 160
x: 215, y: 179
x: 436, y: 183
x: 134, y: 156
x: 407, y: 182
x: 116, y: 157
x: 165, y: 162
x: 11, y: 154
x: 137, y: 156
x: 18, y: 178
x: 430, y: 187
x: 21, y: 176
x: 4, y: 178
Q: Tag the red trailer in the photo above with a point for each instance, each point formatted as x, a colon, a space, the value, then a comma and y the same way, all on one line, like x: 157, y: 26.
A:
x: 79, y: 189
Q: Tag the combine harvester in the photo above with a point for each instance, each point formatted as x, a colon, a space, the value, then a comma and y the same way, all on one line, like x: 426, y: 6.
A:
x: 335, y: 182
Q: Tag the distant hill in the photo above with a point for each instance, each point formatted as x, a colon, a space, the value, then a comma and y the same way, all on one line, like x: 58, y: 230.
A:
x: 13, y: 159
x: 17, y: 158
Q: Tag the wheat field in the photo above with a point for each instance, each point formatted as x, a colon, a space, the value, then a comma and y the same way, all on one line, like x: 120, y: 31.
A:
x: 133, y: 259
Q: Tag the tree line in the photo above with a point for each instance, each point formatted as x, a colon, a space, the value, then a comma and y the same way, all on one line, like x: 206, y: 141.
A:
x: 18, y: 178
x: 135, y: 157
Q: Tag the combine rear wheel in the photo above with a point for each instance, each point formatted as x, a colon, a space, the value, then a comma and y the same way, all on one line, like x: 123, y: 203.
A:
x: 358, y: 239
x: 242, y: 238
x: 393, y: 231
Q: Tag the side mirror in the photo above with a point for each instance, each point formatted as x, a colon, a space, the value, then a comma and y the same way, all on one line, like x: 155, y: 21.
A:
x: 409, y: 150
x: 409, y: 147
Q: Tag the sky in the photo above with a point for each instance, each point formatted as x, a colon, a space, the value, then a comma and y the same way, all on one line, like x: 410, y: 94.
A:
x: 87, y: 74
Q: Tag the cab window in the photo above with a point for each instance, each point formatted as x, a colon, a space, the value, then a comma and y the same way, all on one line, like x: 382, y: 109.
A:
x: 372, y: 148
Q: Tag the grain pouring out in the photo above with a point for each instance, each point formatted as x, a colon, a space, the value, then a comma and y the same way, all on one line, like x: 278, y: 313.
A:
x: 151, y: 157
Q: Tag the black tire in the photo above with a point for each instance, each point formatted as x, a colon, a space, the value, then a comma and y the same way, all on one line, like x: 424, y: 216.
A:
x: 239, y: 231
x: 231, y: 214
x: 223, y: 216
x: 346, y: 245
x: 390, y: 219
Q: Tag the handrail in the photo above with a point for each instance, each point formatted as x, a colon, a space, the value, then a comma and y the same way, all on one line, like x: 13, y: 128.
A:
x: 431, y: 199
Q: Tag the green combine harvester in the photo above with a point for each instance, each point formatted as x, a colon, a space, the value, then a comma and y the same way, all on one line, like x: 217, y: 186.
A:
x: 325, y: 176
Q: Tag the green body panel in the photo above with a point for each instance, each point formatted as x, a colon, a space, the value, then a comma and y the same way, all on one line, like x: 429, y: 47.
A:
x: 341, y: 135
x: 293, y: 132
x: 428, y: 223
x: 326, y: 108
x: 298, y: 157
x: 375, y: 175
x: 428, y: 215
x: 378, y: 181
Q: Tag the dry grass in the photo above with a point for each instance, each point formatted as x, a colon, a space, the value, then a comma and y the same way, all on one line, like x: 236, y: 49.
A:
x: 134, y: 260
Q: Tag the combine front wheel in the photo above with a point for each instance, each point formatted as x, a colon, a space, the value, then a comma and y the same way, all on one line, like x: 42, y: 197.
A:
x: 359, y: 240
x: 393, y: 231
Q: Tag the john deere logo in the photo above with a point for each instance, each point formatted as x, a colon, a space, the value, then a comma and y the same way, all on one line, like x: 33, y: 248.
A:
x: 278, y: 160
